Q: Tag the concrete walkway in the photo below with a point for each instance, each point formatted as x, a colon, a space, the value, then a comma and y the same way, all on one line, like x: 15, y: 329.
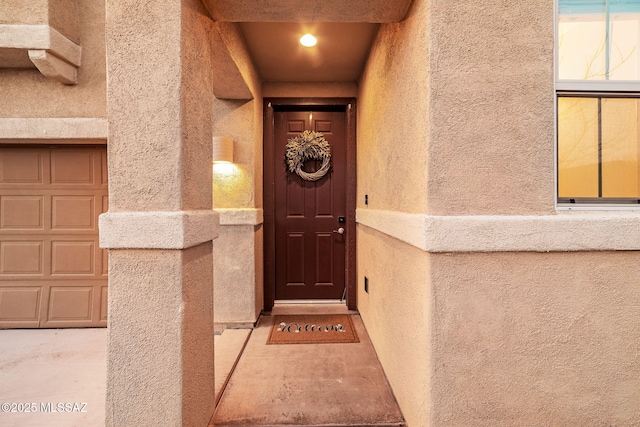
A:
x: 45, y: 367
x: 58, y: 375
x: 307, y: 385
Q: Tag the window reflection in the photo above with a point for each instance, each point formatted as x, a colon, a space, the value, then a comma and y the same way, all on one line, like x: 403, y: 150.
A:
x: 598, y: 147
x: 598, y: 39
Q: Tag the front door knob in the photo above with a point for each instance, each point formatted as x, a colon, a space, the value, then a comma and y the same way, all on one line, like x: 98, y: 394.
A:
x: 339, y: 230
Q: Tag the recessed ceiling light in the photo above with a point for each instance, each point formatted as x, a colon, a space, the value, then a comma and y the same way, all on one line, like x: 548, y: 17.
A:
x: 308, y: 40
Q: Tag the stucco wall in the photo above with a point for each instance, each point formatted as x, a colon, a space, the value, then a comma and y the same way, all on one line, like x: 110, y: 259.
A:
x: 511, y: 334
x: 392, y: 170
x: 19, y: 12
x: 491, y: 108
x: 27, y: 93
x: 238, y: 250
x: 161, y: 296
x: 235, y: 186
x: 237, y: 189
x: 310, y: 90
x: 237, y: 301
x: 160, y: 365
x: 60, y: 14
x: 397, y: 314
x: 534, y: 339
x: 392, y: 116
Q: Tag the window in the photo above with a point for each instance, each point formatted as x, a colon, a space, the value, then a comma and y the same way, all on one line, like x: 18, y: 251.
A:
x: 598, y: 101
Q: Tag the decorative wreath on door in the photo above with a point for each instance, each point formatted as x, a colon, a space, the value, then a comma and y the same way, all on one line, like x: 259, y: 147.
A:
x: 309, y: 145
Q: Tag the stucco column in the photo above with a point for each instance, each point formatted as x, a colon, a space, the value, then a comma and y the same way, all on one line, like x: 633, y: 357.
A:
x: 160, y: 227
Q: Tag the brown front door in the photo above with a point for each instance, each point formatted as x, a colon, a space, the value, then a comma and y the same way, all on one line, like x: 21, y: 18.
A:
x: 310, y: 218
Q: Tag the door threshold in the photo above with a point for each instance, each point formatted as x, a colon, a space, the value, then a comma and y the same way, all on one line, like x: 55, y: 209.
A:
x: 310, y: 301
x: 284, y: 307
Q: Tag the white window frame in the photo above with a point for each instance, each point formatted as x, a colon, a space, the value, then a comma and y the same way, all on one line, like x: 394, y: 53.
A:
x: 584, y: 87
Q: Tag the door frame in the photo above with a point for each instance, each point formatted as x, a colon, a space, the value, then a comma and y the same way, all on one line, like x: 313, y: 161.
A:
x: 269, y: 106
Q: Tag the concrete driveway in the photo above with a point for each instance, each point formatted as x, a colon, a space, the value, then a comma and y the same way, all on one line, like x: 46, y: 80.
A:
x: 52, y: 377
x: 57, y: 377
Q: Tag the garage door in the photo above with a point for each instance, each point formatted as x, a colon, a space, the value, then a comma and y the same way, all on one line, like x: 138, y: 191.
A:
x: 52, y: 272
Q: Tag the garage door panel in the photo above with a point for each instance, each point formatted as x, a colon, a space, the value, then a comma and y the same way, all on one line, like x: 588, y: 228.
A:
x: 70, y: 304
x: 105, y: 204
x: 74, y: 304
x: 21, y: 167
x: 52, y: 271
x: 21, y: 257
x: 20, y: 306
x: 73, y: 212
x: 69, y: 166
x: 103, y: 168
x: 104, y: 299
x: 72, y: 257
x: 21, y: 212
x: 105, y: 261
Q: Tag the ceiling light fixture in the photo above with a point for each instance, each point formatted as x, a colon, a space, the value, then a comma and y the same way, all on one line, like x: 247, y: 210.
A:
x: 308, y: 40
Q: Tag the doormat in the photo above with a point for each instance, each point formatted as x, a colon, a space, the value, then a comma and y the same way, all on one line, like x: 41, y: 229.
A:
x: 312, y: 329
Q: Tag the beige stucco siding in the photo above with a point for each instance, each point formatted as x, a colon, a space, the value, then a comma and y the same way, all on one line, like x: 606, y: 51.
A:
x: 19, y: 12
x: 148, y: 172
x: 393, y: 132
x: 392, y: 116
x: 237, y: 193
x: 397, y: 312
x: 456, y: 128
x: 491, y: 108
x: 310, y: 90
x: 27, y: 93
x: 235, y: 187
x: 160, y: 99
x: 536, y: 339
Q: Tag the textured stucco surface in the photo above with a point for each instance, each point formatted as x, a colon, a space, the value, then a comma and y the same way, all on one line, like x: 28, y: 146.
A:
x: 238, y: 268
x: 307, y: 10
x: 491, y: 108
x: 157, y: 230
x: 567, y: 231
x: 392, y: 112
x: 310, y: 90
x: 234, y: 186
x: 160, y: 356
x: 456, y: 155
x: 160, y: 348
x: 67, y: 130
x: 166, y: 85
x: 144, y: 71
x: 240, y: 216
x: 397, y: 312
x: 27, y: 93
x: 237, y: 274
x: 228, y: 80
x: 233, y: 40
x: 21, y: 12
x: 536, y: 339
x: 60, y: 14
x: 393, y: 106
x: 196, y: 106
x: 63, y: 16
x: 237, y: 189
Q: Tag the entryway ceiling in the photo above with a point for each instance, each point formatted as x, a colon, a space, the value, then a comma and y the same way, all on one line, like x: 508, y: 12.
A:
x: 344, y: 29
x: 339, y: 55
